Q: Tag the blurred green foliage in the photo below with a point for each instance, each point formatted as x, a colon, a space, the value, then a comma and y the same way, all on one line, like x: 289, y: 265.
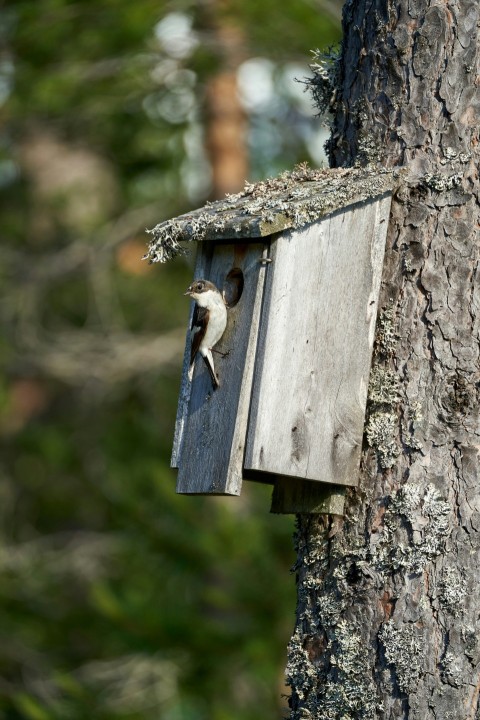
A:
x: 118, y: 598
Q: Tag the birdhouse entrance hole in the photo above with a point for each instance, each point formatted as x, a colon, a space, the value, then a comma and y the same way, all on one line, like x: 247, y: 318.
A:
x: 233, y: 287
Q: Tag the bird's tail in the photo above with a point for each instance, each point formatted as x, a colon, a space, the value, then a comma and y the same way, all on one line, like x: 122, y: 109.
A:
x: 208, y: 357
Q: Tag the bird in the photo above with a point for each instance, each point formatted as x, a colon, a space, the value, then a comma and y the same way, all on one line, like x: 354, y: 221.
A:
x: 208, y: 324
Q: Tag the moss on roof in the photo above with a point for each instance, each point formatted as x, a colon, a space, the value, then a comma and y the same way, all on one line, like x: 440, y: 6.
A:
x: 292, y: 200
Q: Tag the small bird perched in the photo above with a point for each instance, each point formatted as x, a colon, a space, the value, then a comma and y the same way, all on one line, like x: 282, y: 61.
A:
x: 208, y: 324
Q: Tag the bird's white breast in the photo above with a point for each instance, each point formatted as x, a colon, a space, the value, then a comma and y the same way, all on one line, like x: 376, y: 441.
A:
x: 217, y: 320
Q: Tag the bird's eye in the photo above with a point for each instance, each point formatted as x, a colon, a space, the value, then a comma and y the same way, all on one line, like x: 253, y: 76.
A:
x: 200, y: 286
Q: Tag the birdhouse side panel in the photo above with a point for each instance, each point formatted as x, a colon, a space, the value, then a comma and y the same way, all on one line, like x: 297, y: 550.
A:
x: 314, y: 353
x: 214, y: 422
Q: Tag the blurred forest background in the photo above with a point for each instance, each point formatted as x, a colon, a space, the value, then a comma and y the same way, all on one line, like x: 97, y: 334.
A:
x: 119, y: 599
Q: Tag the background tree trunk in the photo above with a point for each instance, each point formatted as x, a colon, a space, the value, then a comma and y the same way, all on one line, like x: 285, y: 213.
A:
x: 388, y: 605
x: 225, y: 120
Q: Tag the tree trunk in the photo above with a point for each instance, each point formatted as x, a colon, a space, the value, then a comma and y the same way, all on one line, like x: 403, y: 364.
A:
x: 388, y: 606
x: 225, y: 120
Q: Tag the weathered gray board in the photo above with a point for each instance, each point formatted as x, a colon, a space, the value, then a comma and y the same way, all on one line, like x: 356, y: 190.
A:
x: 211, y: 425
x: 315, y: 347
x: 291, y: 496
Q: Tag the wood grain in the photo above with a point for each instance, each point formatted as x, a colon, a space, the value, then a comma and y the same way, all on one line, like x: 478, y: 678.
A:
x: 314, y: 353
x: 304, y: 496
x: 211, y: 425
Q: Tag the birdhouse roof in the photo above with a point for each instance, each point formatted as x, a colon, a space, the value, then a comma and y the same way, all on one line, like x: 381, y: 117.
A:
x: 292, y: 200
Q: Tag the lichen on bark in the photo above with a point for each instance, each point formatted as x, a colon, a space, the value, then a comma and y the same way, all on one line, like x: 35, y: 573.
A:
x: 327, y: 661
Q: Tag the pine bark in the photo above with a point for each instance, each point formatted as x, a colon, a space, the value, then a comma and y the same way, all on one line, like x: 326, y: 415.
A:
x: 388, y: 602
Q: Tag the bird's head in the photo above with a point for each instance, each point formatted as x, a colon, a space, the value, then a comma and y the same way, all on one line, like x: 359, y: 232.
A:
x: 199, y: 288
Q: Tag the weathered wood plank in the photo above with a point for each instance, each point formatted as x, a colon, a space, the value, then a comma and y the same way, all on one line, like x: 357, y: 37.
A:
x: 211, y: 440
x: 292, y: 496
x: 314, y: 352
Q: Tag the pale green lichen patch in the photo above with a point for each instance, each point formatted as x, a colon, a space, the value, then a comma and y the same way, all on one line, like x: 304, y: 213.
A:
x: 416, y: 527
x: 452, y: 669
x: 381, y: 432
x: 301, y: 672
x: 412, y: 423
x: 369, y: 145
x: 292, y: 200
x: 441, y: 183
x: 347, y: 689
x: 351, y: 687
x: 384, y: 386
x: 325, y: 80
x: 384, y: 395
x: 382, y: 427
x: 403, y: 650
x: 329, y: 665
x: 453, y: 589
x: 385, y: 336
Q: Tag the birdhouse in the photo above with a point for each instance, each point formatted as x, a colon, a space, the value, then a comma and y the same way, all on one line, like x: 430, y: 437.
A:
x: 299, y: 262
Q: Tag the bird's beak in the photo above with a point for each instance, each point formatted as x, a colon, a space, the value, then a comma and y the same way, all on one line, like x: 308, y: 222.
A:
x: 189, y: 291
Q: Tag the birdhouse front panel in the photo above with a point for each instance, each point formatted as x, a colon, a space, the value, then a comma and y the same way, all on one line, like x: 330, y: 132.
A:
x: 211, y: 423
x: 315, y: 346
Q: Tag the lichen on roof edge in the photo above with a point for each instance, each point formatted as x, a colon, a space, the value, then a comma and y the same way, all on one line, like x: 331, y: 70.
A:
x: 291, y: 200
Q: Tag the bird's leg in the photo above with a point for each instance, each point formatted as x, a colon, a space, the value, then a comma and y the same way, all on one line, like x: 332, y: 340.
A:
x: 222, y: 354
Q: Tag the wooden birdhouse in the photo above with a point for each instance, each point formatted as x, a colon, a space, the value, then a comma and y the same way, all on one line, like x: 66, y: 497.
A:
x: 299, y: 260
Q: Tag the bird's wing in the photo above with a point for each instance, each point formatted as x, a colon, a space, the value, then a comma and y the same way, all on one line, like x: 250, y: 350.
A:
x: 199, y: 328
